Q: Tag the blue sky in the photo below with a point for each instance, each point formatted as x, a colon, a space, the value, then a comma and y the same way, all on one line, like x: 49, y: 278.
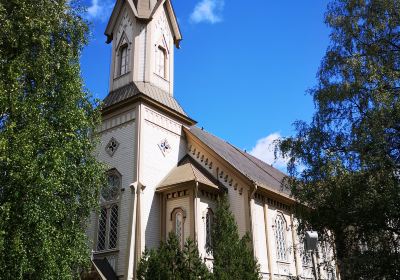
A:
x: 243, y: 69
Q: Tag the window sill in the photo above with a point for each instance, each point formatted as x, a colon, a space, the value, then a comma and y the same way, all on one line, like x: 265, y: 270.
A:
x: 283, y: 262
x: 121, y: 76
x: 105, y: 252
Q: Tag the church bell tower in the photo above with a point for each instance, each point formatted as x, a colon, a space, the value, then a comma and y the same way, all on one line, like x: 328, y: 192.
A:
x: 143, y: 34
x: 141, y: 135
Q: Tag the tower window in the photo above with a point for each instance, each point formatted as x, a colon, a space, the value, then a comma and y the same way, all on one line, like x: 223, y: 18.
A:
x: 124, y: 63
x: 161, y: 62
x: 107, y: 236
x: 280, y: 238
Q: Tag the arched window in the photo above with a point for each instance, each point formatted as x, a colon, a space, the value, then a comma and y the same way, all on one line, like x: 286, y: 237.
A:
x: 280, y: 237
x: 208, y: 227
x: 178, y: 218
x: 123, y: 59
x: 107, y: 236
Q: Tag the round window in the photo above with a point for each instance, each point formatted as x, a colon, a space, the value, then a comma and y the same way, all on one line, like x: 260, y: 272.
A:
x: 110, y: 192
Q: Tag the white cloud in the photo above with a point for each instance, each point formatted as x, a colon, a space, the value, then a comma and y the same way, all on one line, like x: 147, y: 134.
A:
x: 100, y: 9
x: 264, y: 150
x: 207, y: 11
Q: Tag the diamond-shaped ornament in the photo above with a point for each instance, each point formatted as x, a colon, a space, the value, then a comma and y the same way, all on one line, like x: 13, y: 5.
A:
x: 165, y: 147
x: 112, y: 146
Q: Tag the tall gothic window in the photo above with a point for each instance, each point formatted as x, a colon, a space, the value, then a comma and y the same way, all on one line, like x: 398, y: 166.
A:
x: 123, y: 63
x: 178, y: 225
x: 280, y: 237
x: 107, y: 236
x: 209, y: 221
x: 161, y: 62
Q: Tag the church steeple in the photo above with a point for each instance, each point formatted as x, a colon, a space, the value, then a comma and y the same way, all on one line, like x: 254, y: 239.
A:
x: 145, y: 7
x: 143, y: 34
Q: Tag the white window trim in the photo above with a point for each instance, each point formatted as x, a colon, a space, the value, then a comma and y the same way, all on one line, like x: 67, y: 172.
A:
x: 161, y: 55
x: 123, y: 61
x: 281, y: 256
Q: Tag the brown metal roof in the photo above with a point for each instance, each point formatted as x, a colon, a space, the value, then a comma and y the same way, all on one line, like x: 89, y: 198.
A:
x: 188, y: 171
x: 256, y: 170
x: 135, y: 89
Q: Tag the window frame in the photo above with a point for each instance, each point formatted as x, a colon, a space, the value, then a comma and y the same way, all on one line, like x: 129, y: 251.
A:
x: 123, y: 60
x: 281, y: 252
x: 111, y: 218
x: 162, y: 55
x: 174, y: 214
x: 209, y: 213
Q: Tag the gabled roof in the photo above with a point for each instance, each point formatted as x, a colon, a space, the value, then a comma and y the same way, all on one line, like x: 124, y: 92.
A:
x: 261, y: 173
x: 142, y: 9
x: 188, y: 170
x: 143, y: 89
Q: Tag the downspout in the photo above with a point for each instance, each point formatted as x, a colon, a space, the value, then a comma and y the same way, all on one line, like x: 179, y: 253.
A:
x: 296, y: 261
x: 196, y: 190
x: 138, y: 235
x: 139, y: 189
x: 269, y: 256
x: 314, y: 262
x: 251, y: 204
x: 132, y: 229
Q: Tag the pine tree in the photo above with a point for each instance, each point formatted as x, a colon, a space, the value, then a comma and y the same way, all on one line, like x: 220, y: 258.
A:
x: 170, y: 262
x: 49, y: 176
x: 233, y: 256
x: 350, y: 152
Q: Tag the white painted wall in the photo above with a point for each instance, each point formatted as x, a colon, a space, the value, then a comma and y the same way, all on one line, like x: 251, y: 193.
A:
x: 123, y: 128
x: 260, y: 242
x: 203, y: 203
x: 155, y: 165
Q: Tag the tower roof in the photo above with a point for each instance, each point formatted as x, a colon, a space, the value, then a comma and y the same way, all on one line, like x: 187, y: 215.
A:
x: 144, y: 10
x: 141, y: 90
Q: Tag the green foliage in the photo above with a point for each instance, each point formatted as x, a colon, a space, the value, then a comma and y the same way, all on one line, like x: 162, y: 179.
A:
x: 233, y: 256
x: 169, y: 261
x: 351, y: 150
x: 49, y: 175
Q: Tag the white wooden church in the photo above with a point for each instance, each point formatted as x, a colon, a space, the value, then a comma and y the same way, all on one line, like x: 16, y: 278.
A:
x: 165, y: 173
